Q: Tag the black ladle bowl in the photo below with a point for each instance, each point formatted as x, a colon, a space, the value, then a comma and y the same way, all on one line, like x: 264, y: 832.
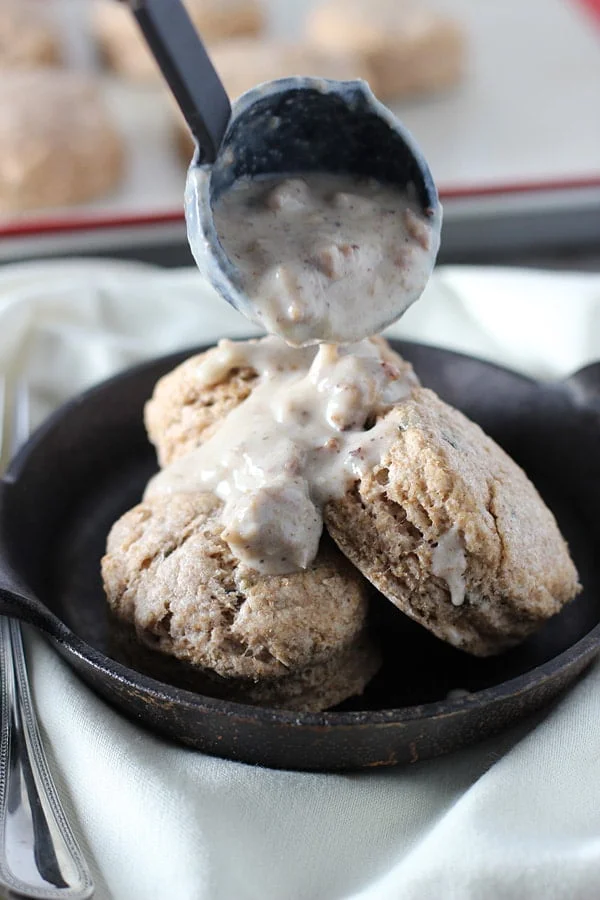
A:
x: 296, y: 126
x: 89, y: 463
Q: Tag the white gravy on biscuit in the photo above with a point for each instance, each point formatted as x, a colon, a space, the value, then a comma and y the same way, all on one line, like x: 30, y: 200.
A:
x: 306, y: 432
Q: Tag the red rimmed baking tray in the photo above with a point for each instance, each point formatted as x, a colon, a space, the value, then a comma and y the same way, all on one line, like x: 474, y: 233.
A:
x: 518, y: 142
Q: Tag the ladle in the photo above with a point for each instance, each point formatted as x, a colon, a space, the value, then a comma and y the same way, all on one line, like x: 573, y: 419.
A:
x: 294, y: 125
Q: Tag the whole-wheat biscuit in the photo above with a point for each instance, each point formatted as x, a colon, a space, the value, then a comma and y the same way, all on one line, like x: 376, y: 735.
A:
x: 443, y: 492
x: 168, y: 572
x: 310, y: 689
x: 245, y: 62
x: 184, y: 411
x: 123, y: 47
x: 324, y: 684
x: 406, y: 48
x: 28, y: 37
x: 58, y: 144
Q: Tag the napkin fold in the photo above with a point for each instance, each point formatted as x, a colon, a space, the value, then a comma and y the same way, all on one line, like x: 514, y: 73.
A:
x: 517, y: 816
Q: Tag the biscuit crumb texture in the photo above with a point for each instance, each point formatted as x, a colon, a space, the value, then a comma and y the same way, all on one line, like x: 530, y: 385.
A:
x: 443, y: 475
x: 168, y: 573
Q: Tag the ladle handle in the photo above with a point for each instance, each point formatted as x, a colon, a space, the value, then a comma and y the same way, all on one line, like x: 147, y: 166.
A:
x: 187, y: 69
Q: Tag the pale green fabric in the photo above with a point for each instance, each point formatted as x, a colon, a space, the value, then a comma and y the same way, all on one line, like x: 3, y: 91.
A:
x: 514, y: 818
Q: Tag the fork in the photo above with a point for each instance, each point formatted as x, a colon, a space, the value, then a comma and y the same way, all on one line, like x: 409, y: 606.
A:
x: 39, y: 855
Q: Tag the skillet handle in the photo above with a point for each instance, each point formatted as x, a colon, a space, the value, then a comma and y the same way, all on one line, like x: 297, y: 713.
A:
x: 16, y: 599
x: 584, y: 387
x: 18, y: 602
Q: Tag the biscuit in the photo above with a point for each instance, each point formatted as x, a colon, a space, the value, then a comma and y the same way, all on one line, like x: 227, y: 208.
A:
x: 321, y: 686
x: 244, y: 63
x: 168, y: 572
x: 406, y: 48
x: 124, y: 50
x: 58, y: 144
x: 27, y: 37
x: 444, y: 487
x: 311, y: 689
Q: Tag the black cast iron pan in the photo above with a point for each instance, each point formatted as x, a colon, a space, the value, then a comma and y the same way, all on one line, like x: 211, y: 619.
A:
x: 89, y: 463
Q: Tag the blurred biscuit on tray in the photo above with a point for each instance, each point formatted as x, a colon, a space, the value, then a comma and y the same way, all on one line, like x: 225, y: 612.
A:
x: 28, y: 35
x: 246, y: 62
x: 123, y: 47
x: 58, y: 144
x: 406, y: 47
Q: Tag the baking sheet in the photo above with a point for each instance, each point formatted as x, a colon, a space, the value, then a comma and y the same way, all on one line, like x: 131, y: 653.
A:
x: 525, y: 116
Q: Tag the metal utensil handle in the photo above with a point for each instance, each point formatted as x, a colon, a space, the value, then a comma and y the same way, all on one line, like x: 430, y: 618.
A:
x: 39, y: 856
x: 187, y: 69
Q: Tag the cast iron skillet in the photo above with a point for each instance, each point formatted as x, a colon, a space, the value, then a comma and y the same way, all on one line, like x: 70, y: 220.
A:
x: 89, y: 463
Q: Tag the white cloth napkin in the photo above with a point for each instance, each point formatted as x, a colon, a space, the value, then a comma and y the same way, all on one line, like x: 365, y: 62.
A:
x: 516, y: 817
